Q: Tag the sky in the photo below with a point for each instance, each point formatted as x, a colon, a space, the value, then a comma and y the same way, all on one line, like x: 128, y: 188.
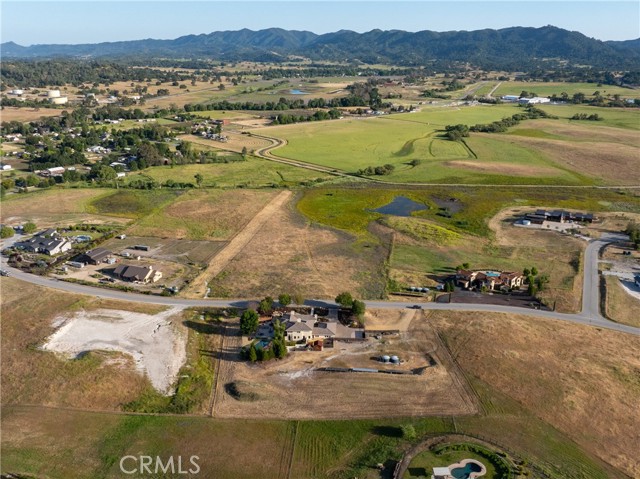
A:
x: 28, y: 22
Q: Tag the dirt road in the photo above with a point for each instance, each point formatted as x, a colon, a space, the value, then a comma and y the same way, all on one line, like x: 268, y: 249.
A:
x: 237, y: 244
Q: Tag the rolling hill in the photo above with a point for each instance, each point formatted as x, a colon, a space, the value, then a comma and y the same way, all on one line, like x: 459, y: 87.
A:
x: 508, y: 48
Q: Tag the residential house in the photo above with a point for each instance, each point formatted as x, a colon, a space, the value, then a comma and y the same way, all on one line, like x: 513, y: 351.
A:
x: 559, y: 216
x: 47, y: 242
x: 142, y: 274
x: 93, y: 256
x: 490, y: 280
x: 308, y: 328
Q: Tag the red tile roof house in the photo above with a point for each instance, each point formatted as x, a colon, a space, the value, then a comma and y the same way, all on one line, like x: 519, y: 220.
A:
x: 491, y: 280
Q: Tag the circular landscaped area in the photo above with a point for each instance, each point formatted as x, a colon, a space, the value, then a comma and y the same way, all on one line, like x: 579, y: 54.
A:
x: 461, y: 461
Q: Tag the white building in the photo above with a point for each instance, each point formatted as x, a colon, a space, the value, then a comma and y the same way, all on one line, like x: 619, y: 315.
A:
x: 534, y: 100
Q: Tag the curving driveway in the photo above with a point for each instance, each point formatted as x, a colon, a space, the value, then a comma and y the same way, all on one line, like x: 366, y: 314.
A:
x: 590, y: 314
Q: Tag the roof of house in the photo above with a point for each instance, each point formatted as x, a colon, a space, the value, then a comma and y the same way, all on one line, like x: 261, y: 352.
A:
x: 128, y: 271
x: 96, y: 254
x: 294, y: 326
x: 42, y: 243
x: 48, y: 232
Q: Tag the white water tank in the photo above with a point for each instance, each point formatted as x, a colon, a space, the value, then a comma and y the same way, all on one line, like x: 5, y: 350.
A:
x: 61, y: 100
x: 395, y: 359
x: 385, y: 358
x: 53, y: 94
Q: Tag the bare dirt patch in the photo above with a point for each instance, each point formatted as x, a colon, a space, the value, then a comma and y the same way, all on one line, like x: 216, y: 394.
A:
x: 503, y: 168
x: 580, y: 379
x: 293, y: 388
x: 154, y: 342
x: 96, y: 380
x: 385, y: 319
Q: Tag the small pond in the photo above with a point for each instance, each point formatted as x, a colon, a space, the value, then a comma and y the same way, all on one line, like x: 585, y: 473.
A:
x: 401, y: 206
x: 298, y: 92
x: 465, y: 471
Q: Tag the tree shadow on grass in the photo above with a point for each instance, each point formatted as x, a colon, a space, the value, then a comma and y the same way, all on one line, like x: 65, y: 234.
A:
x: 387, y: 431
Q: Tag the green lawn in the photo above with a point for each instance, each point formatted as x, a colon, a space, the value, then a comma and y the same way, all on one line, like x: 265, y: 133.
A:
x: 423, y: 464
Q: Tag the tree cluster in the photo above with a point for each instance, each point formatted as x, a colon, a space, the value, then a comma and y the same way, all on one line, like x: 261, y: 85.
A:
x: 456, y: 132
x: 503, y: 125
x: 377, y: 170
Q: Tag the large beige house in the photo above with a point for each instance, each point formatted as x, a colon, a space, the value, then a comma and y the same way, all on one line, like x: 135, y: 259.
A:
x: 491, y: 280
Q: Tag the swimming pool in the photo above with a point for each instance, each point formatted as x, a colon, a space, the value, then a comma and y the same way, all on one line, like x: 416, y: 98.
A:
x: 465, y: 471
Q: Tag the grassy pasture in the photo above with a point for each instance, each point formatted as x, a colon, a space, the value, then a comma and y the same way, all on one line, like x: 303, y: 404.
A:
x: 627, y: 118
x: 252, y: 173
x: 549, y: 88
x: 347, y: 209
x: 131, y: 203
x: 551, y: 369
x: 621, y: 307
x: 57, y: 206
x: 301, y: 449
x: 353, y: 144
x: 204, y: 214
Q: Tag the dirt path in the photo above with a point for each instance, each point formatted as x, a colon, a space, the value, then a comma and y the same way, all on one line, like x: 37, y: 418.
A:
x: 237, y: 244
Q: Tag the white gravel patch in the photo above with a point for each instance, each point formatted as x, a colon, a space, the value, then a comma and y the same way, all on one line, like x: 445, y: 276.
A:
x: 156, y: 345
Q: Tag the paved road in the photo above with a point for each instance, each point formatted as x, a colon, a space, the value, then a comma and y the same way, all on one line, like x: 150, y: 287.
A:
x: 590, y: 314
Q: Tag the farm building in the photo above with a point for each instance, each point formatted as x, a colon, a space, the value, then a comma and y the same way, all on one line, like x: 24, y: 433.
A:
x: 533, y: 101
x: 143, y: 274
x: 94, y: 256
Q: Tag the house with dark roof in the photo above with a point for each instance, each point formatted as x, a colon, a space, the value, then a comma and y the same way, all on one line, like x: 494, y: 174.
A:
x: 559, y: 216
x: 93, y: 256
x: 46, y: 242
x: 142, y: 274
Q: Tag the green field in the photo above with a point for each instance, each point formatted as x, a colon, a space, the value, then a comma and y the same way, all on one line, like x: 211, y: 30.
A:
x: 252, y: 173
x: 353, y: 144
x: 549, y: 88
x: 347, y: 209
x: 132, y: 203
x: 628, y: 118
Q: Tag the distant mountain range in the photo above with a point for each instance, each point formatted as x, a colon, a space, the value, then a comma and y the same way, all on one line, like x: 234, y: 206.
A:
x: 509, y: 48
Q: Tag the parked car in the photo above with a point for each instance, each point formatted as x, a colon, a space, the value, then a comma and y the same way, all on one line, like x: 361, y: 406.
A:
x: 4, y: 272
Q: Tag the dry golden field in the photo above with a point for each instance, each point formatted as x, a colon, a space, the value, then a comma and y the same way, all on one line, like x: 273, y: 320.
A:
x: 582, y: 380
